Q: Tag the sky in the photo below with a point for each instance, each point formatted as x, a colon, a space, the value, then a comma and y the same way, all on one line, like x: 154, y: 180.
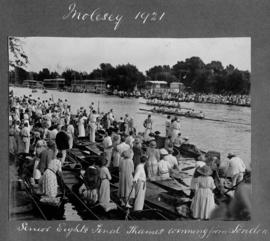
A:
x: 86, y: 54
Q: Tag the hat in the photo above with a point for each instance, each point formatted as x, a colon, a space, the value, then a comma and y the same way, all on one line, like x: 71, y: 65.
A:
x: 163, y: 151
x: 126, y: 154
x: 199, y: 164
x: 230, y: 155
x: 104, y: 161
x: 185, y: 138
x: 51, y: 144
x: 115, y: 138
x: 153, y: 144
x: 205, y: 170
x: 137, y: 140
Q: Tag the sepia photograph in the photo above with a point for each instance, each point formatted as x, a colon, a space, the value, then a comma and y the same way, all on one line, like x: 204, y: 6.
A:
x: 129, y: 129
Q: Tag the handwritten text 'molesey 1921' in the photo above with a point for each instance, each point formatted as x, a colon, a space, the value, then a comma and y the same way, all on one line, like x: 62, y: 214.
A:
x: 100, y: 15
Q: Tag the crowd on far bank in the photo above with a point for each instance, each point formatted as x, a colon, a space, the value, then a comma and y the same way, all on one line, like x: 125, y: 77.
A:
x: 232, y: 99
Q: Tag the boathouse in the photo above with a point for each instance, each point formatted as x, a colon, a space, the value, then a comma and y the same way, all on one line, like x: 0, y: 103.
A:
x: 156, y: 85
x: 57, y: 83
x: 32, y: 83
x: 176, y: 87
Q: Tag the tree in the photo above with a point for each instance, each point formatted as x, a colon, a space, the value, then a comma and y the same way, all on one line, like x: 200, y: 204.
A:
x: 20, y: 75
x: 69, y: 75
x: 126, y: 77
x: 17, y: 56
x: 155, y: 71
x: 44, y: 74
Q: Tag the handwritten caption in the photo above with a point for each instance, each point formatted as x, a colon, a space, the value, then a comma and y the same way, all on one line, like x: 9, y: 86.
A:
x: 97, y: 229
x: 96, y: 15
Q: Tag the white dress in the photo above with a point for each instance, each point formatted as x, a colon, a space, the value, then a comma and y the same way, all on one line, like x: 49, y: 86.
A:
x: 203, y: 202
x: 70, y: 132
x: 175, y: 129
x: 140, y: 187
x: 81, y: 126
x: 49, y: 179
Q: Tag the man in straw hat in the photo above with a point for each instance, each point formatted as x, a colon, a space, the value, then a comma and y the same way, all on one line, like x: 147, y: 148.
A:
x: 236, y: 168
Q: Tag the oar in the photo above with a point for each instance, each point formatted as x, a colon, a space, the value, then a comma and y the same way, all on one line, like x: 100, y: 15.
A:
x: 233, y: 122
x: 233, y: 187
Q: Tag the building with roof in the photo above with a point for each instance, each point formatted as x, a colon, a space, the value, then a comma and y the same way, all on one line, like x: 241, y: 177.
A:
x: 57, y: 83
x: 32, y: 84
x: 156, y: 84
x: 176, y: 86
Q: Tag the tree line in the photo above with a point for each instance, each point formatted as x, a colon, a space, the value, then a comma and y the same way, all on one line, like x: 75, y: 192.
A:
x: 196, y: 75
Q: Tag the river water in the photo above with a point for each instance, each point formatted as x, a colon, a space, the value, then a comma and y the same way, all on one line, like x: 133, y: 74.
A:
x: 223, y: 137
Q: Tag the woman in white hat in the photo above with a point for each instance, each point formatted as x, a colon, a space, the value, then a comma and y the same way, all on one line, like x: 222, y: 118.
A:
x: 203, y: 202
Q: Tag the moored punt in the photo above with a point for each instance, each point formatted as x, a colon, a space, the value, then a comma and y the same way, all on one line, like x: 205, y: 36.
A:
x: 73, y: 180
x: 44, y: 207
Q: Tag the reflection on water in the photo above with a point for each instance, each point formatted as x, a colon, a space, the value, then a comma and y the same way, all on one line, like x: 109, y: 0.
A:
x: 207, y: 135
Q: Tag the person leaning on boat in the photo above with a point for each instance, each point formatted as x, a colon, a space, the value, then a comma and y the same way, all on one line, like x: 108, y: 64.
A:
x: 139, y: 181
x: 236, y: 168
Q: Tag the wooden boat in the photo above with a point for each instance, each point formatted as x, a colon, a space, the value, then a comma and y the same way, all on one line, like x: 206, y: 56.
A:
x: 176, y: 112
x: 73, y: 180
x: 47, y: 208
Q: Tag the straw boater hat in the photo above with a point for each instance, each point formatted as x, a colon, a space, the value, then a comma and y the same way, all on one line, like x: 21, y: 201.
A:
x: 205, y: 170
x: 153, y: 144
x: 230, y: 155
x: 126, y: 154
x: 137, y: 140
x: 163, y: 151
